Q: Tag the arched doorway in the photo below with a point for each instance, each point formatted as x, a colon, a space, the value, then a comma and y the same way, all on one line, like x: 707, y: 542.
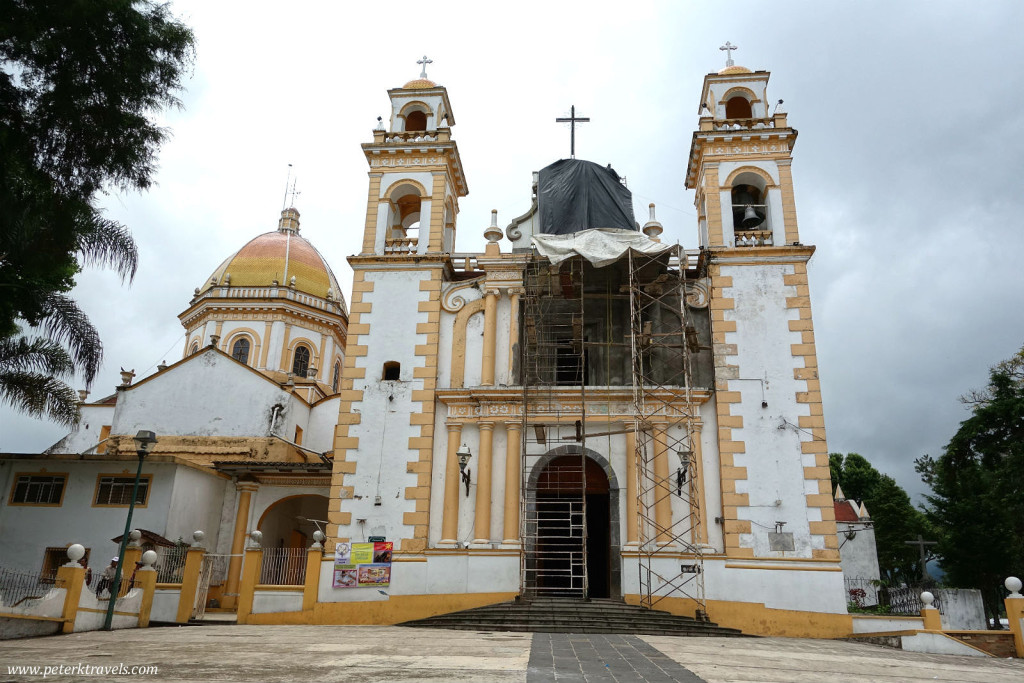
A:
x: 574, y: 511
x: 288, y: 523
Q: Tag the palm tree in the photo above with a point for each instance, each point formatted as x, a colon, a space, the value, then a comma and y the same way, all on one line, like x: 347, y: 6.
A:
x: 30, y: 378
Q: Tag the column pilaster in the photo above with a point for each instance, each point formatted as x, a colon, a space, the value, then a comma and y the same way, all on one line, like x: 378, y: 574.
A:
x: 450, y: 514
x: 513, y: 474
x: 482, y: 525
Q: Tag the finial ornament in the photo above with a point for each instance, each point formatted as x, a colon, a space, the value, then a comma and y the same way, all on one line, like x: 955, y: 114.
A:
x: 728, y: 47
x: 424, y: 62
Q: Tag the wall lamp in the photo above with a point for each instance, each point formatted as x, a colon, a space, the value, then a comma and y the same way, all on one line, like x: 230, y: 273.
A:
x: 464, y: 456
x: 684, y: 467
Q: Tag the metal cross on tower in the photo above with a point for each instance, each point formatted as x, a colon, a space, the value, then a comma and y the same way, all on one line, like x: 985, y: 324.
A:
x: 424, y: 62
x: 572, y: 120
x: 728, y: 47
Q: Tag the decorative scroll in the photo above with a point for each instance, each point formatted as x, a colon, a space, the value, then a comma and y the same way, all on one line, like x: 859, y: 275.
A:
x: 698, y: 293
x: 453, y: 300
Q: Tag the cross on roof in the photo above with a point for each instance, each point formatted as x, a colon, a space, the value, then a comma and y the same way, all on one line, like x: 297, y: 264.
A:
x: 572, y: 120
x: 728, y: 47
x: 424, y: 62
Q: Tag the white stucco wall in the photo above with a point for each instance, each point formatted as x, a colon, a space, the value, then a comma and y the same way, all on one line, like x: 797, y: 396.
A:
x: 456, y: 573
x: 26, y: 530
x: 165, y: 605
x: 775, y: 477
x: 87, y: 434
x: 264, y: 601
x: 196, y: 502
x: 384, y: 430
x: 209, y: 395
x: 858, y: 553
x: 321, y: 421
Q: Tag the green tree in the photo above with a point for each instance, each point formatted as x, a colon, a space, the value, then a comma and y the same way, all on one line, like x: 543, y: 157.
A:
x: 977, y: 500
x: 895, y: 518
x: 79, y: 83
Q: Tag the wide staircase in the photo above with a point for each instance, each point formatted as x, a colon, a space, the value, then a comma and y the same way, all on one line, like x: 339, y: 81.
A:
x: 573, y: 615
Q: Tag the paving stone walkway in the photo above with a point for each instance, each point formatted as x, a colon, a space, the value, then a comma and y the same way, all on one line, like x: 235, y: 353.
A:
x: 601, y: 659
x: 365, y: 654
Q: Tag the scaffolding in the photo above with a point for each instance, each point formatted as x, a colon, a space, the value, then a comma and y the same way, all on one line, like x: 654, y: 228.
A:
x: 615, y: 333
x: 663, y: 341
x: 553, y: 367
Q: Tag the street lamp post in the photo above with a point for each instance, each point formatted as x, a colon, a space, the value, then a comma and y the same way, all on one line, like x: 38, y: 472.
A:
x: 144, y: 441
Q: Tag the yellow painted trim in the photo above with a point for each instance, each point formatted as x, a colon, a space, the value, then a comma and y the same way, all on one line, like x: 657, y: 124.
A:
x: 386, y: 194
x: 121, y: 475
x: 788, y: 569
x: 757, y: 619
x: 103, y: 611
x: 482, y: 525
x: 753, y: 170
x: 263, y: 516
x: 255, y: 349
x: 189, y: 584
x: 41, y: 473
x: 394, y: 610
x: 269, y: 328
x: 30, y: 617
x: 279, y: 587
x: 293, y: 344
x: 459, y: 341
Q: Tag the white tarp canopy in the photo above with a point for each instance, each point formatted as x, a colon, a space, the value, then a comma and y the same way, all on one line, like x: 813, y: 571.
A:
x: 600, y: 246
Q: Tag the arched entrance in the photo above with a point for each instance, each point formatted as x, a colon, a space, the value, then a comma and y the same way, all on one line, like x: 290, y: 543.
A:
x: 573, y: 503
x: 287, y: 523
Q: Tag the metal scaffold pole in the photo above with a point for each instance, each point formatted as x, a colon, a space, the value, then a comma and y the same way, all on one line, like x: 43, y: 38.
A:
x: 665, y: 420
x: 553, y: 480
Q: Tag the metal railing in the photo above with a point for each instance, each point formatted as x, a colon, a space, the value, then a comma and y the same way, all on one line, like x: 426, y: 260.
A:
x: 17, y: 587
x: 893, y: 599
x: 283, y: 567
x: 170, y: 563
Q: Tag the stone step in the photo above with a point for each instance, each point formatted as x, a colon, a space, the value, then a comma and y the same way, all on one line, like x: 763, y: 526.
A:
x: 569, y: 615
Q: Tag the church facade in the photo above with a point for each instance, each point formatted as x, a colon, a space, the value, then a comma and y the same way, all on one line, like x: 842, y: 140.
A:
x: 581, y: 409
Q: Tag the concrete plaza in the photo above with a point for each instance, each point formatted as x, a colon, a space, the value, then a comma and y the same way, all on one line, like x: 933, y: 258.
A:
x: 388, y: 653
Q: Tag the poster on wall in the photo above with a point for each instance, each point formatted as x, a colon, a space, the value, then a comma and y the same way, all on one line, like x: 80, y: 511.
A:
x: 362, y: 565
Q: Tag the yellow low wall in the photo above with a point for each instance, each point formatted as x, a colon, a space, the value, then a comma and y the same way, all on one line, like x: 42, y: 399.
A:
x: 395, y: 610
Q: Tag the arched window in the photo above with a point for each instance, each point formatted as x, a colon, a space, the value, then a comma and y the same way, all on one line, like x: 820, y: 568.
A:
x: 240, y: 351
x: 738, y: 107
x: 194, y: 349
x: 336, y: 378
x: 300, y: 365
x: 748, y: 208
x: 392, y: 371
x: 415, y: 120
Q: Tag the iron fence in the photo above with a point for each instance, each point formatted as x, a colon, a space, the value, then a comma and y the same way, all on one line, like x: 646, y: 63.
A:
x: 867, y: 593
x: 17, y: 587
x: 170, y: 563
x: 283, y: 566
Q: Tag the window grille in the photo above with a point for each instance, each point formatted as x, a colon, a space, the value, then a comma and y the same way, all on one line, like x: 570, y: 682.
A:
x: 118, y: 491
x: 37, y: 489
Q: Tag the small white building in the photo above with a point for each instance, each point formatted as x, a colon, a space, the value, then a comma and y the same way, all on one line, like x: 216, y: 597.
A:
x: 244, y: 422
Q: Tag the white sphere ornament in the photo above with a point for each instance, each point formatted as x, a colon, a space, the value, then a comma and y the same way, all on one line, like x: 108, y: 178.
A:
x: 1013, y: 585
x: 319, y: 536
x: 135, y: 535
x: 256, y: 536
x: 927, y: 598
x: 198, y: 535
x: 76, y: 551
x: 149, y: 558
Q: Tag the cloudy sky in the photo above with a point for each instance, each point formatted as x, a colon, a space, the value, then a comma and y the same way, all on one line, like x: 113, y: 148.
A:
x: 908, y: 168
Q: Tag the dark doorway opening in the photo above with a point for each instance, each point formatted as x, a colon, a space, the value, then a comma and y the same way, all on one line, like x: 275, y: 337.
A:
x: 561, y: 554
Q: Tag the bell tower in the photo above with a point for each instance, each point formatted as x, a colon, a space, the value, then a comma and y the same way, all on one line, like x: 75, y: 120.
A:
x: 383, y: 445
x: 416, y: 175
x: 775, y: 488
x: 740, y: 163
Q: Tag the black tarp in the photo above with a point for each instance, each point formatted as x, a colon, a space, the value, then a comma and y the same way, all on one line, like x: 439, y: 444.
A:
x: 575, y: 195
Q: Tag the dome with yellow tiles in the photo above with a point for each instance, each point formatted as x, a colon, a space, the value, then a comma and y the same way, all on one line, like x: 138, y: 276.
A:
x: 280, y: 258
x: 734, y: 69
x: 419, y: 84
